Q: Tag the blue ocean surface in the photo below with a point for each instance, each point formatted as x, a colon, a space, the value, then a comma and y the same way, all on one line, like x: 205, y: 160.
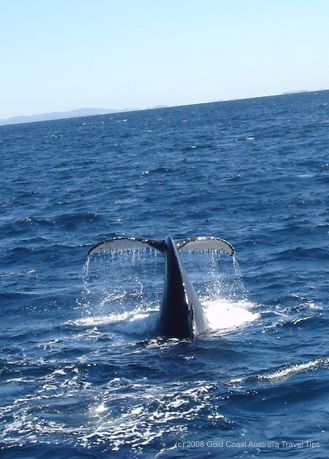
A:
x: 84, y: 372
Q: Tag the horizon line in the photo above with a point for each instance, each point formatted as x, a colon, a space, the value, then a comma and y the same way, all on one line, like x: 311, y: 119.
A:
x: 109, y: 111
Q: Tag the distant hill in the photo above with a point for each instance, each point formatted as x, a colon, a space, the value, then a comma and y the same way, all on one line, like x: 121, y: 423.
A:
x: 59, y: 115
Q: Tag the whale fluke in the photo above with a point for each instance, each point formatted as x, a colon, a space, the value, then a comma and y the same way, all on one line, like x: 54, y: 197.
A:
x: 133, y: 243
x: 181, y: 313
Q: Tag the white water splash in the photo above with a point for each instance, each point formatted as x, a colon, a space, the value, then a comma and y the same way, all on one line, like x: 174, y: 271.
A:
x: 225, y: 315
x: 140, y: 322
x: 222, y: 316
x: 101, y: 320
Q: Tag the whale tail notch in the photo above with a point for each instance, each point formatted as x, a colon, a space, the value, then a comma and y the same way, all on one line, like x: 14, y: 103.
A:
x: 133, y: 243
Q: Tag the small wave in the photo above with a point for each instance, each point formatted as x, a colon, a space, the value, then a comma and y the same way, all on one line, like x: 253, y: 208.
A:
x: 125, y: 201
x: 300, y: 320
x: 284, y: 372
x: 291, y: 370
x: 23, y: 273
x: 30, y: 220
x: 159, y: 170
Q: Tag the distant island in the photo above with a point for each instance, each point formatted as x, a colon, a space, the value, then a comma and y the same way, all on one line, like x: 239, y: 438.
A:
x: 81, y: 112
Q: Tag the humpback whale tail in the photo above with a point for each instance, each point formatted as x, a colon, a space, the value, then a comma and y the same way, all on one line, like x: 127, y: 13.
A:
x: 181, y: 314
x: 132, y: 243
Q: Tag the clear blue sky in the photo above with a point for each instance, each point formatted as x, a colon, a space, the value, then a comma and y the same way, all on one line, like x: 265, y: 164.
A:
x: 58, y: 55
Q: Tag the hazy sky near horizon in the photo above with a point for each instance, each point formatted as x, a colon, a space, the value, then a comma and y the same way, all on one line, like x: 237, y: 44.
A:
x: 66, y: 54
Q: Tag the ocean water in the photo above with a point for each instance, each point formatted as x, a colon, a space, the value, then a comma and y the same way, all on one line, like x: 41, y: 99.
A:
x: 83, y: 370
